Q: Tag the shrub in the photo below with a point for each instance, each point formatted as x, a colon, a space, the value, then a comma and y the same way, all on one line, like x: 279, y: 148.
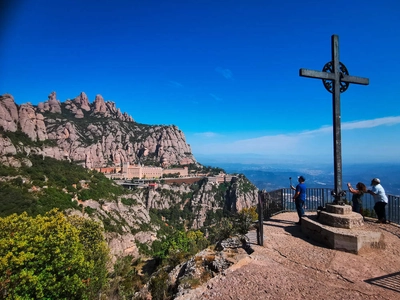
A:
x: 51, y: 256
x: 129, y: 201
x: 124, y: 280
x: 159, y: 286
x: 237, y: 224
x: 179, y: 246
x: 245, y: 219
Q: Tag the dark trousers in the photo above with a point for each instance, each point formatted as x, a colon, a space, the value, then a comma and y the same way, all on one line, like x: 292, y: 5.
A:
x: 299, y: 207
x: 380, y: 210
x: 357, y: 207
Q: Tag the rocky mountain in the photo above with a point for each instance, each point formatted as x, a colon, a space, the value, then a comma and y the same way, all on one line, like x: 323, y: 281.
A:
x: 46, y: 156
x: 203, y: 199
x: 93, y: 135
x: 128, y: 221
x: 97, y: 135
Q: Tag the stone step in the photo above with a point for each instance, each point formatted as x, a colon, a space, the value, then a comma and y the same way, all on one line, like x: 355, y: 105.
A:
x: 349, y: 240
x: 351, y: 220
x: 338, y: 209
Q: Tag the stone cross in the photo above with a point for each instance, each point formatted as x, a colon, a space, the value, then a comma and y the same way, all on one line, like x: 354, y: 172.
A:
x: 336, y: 80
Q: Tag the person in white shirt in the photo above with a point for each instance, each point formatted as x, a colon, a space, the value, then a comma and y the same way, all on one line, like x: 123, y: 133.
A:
x: 378, y: 192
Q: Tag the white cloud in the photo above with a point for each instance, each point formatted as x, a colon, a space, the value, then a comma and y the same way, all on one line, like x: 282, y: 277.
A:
x: 225, y: 72
x: 175, y: 84
x: 216, y: 97
x: 267, y: 144
x: 264, y: 145
x: 208, y: 134
x: 316, y: 142
x: 371, y: 123
x: 388, y: 121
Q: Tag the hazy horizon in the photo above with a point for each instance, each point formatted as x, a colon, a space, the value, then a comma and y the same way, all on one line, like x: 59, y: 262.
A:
x: 251, y: 158
x: 276, y: 175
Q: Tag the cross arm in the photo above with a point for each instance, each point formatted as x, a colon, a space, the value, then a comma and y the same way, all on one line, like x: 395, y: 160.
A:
x: 331, y: 76
x: 354, y: 79
x: 317, y: 74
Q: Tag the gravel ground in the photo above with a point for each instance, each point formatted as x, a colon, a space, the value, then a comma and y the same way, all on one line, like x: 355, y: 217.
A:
x: 290, y: 266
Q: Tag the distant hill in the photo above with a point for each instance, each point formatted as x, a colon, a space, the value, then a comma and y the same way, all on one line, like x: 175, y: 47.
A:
x: 276, y: 176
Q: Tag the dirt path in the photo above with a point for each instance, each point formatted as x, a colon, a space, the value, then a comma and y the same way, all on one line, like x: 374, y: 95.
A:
x: 290, y: 266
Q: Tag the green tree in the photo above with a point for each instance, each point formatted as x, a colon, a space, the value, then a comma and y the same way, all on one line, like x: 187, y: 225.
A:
x: 96, y: 253
x: 47, y: 257
x: 179, y: 246
x: 245, y: 219
x: 237, y: 224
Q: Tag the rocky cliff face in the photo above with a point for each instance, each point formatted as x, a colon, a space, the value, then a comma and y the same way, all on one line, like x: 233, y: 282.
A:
x: 99, y: 135
x: 240, y: 193
x: 127, y: 221
x: 235, y: 195
x: 124, y: 224
x: 93, y: 135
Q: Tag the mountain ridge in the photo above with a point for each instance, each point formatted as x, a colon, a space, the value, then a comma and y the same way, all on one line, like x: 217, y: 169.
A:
x: 94, y: 134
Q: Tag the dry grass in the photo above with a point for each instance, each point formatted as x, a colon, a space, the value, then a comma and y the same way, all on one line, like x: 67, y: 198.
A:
x: 209, y: 258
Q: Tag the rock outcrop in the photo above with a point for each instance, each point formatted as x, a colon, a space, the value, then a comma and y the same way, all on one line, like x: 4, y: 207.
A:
x: 122, y: 242
x: 82, y: 101
x: 235, y: 199
x: 8, y: 113
x: 240, y: 194
x: 77, y: 131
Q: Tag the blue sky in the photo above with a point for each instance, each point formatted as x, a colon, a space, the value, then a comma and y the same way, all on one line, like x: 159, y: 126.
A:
x: 225, y: 72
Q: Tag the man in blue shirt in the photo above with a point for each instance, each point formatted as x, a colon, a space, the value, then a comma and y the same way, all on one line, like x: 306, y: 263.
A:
x: 299, y: 197
x: 377, y: 191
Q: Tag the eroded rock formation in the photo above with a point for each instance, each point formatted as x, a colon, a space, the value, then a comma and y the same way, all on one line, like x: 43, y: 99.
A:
x: 77, y: 131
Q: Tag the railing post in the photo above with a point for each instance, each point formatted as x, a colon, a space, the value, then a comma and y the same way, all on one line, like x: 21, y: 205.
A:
x: 260, y: 229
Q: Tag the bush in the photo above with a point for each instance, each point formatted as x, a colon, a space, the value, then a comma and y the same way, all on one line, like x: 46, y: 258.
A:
x: 14, y: 199
x: 57, y: 176
x: 237, y: 224
x: 159, y: 286
x: 245, y: 219
x: 51, y: 256
x: 129, y: 201
x: 96, y: 252
x: 124, y: 280
x: 222, y: 230
x: 179, y: 246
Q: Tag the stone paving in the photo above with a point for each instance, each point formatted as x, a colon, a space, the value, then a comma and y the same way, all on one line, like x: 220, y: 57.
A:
x: 291, y: 266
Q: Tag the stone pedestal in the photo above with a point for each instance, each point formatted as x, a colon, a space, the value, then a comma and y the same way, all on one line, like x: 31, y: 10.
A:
x: 338, y: 209
x: 340, y: 216
x: 338, y: 227
x: 353, y: 240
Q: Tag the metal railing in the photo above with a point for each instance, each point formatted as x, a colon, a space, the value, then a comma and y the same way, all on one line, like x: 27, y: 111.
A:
x: 278, y: 201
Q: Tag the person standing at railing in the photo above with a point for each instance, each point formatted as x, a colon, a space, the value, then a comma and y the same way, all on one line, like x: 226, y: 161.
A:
x: 299, y: 197
x: 358, y: 194
x: 378, y: 192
